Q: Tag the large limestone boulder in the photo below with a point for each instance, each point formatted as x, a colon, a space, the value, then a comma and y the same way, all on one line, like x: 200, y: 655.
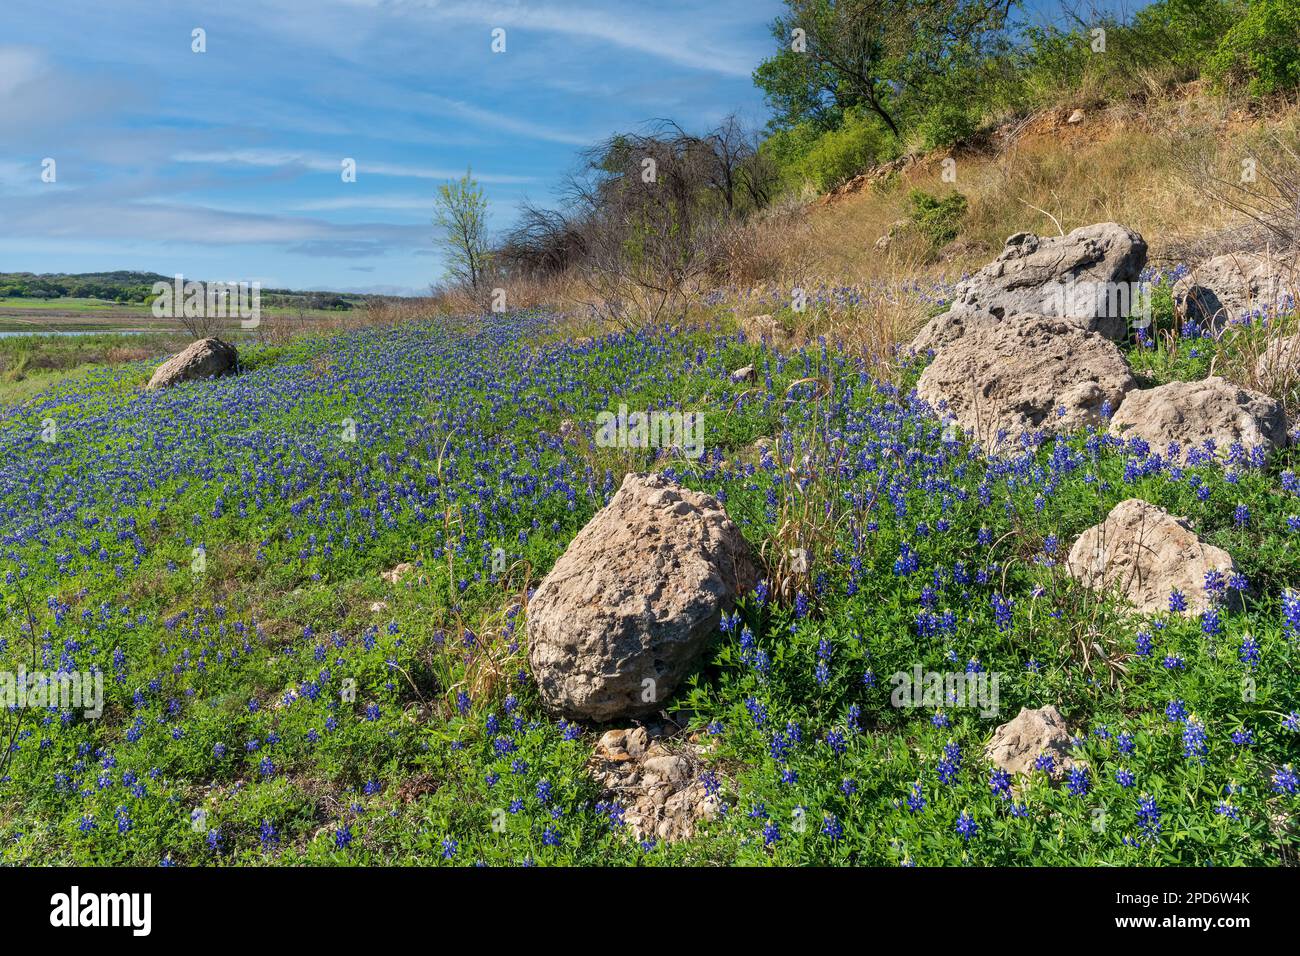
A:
x: 1227, y: 287
x: 1189, y: 413
x: 1017, y: 744
x: 1088, y: 276
x: 1026, y: 374
x: 627, y: 609
x: 1145, y: 553
x: 205, y: 358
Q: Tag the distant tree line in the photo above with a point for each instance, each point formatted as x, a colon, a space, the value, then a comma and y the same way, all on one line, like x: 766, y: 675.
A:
x: 137, y: 287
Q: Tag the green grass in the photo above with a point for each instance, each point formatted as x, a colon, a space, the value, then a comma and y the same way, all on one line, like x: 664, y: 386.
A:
x: 271, y: 650
x: 71, y: 304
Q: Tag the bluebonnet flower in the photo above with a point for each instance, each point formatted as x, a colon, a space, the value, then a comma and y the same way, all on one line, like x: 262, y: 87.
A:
x: 1210, y: 623
x: 916, y: 799
x: 1000, y: 783
x: 1195, y: 743
x: 966, y: 825
x: 1078, y: 781
x: 832, y: 828
x: 949, y: 763
x: 1148, y: 817
x: 1285, y: 780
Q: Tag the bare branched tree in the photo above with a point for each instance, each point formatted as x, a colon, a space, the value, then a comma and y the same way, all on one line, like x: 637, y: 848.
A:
x: 1261, y: 182
x: 641, y: 219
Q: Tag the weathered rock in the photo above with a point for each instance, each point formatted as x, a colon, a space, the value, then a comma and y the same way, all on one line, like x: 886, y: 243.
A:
x: 1026, y: 374
x: 765, y: 328
x: 745, y: 374
x: 1144, y: 553
x: 1088, y: 276
x: 1229, y: 286
x: 1189, y: 413
x: 1075, y: 118
x: 1278, y: 367
x: 658, y: 788
x: 205, y: 358
x: 896, y: 228
x: 1018, y: 743
x: 624, y: 614
x: 397, y: 573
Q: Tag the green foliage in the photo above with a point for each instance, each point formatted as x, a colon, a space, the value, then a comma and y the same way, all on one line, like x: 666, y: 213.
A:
x: 956, y: 64
x: 946, y: 123
x: 1262, y: 50
x: 461, y: 214
x: 827, y: 158
x: 888, y: 58
x: 937, y: 219
x: 108, y: 286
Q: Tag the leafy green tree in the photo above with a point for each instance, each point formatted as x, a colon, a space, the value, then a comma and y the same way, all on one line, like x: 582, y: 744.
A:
x: 461, y: 214
x: 890, y: 58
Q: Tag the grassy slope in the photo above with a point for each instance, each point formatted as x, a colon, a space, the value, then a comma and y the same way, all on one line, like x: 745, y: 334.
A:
x: 1131, y: 163
x: 212, y: 674
x: 264, y: 692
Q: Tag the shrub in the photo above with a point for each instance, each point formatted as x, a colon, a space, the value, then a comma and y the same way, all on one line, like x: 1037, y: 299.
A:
x: 938, y: 220
x: 947, y: 123
x: 1262, y: 51
x: 825, y: 159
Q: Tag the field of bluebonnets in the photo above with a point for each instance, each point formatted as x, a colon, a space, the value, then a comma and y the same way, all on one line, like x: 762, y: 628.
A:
x: 215, y: 551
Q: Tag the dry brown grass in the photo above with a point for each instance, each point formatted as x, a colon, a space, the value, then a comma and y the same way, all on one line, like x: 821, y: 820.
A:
x: 1125, y: 163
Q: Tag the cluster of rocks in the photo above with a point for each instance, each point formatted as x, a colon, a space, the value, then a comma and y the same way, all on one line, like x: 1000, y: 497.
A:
x: 1029, y: 346
x: 1021, y: 351
x: 620, y: 621
x: 658, y: 785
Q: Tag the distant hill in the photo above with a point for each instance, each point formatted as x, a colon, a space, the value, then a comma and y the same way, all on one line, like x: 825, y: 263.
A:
x: 125, y: 286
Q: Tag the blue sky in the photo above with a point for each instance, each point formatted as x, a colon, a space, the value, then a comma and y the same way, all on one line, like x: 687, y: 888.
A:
x: 227, y: 164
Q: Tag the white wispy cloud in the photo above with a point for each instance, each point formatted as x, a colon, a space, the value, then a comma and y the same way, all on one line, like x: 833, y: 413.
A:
x: 681, y: 36
x: 365, y: 202
x: 273, y: 158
